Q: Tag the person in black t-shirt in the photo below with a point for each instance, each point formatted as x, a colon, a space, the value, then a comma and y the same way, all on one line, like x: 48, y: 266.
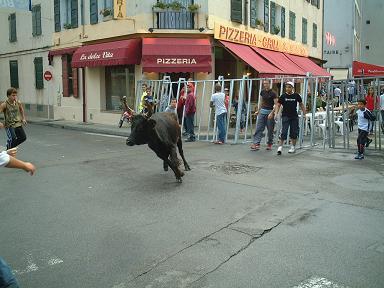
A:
x: 265, y: 117
x: 290, y: 119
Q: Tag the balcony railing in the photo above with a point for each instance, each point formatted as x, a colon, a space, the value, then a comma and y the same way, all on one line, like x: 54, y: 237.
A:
x: 172, y: 19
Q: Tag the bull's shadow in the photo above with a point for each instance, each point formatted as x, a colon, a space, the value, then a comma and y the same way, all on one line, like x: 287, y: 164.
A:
x: 162, y: 134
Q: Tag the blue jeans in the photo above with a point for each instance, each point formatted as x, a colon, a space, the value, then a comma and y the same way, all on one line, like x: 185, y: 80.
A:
x: 190, y: 126
x: 7, y: 279
x: 262, y: 121
x: 221, y: 121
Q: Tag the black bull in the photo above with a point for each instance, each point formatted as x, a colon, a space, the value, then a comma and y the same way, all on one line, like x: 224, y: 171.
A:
x: 162, y: 133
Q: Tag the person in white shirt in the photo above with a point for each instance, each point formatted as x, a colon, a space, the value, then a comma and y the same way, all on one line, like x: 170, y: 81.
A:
x: 218, y: 101
x: 363, y: 118
x: 337, y: 94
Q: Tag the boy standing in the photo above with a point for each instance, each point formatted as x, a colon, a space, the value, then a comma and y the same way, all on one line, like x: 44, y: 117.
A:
x: 218, y: 101
x: 172, y: 107
x: 190, y: 110
x: 14, y: 119
x: 363, y: 118
x: 290, y: 119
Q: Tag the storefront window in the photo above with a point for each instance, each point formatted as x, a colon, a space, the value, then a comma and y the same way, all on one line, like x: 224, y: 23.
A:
x: 119, y: 82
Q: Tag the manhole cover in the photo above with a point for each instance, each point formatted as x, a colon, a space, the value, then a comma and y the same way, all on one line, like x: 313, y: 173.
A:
x: 234, y: 168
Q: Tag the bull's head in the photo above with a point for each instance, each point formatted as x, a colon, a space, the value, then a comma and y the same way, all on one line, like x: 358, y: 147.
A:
x: 141, y: 128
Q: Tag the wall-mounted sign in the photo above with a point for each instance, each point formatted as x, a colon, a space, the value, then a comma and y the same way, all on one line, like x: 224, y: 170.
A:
x: 259, y: 39
x: 120, y: 9
x: 330, y: 39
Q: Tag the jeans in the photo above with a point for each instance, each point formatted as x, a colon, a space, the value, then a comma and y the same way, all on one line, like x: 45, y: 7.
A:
x: 190, y: 126
x: 262, y: 121
x: 221, y: 121
x: 7, y: 279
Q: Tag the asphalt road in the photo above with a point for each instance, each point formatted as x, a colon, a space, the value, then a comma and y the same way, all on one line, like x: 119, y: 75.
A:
x: 101, y: 214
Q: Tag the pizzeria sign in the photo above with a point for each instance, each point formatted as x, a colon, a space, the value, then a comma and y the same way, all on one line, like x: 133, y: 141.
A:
x: 259, y: 39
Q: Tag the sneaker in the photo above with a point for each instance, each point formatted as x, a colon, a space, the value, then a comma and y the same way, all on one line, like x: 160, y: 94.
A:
x: 279, y: 150
x: 269, y: 147
x: 359, y: 157
x: 292, y: 150
x: 369, y: 141
x: 255, y: 147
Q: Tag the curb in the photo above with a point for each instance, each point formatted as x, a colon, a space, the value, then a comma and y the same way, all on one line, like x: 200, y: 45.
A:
x: 82, y: 127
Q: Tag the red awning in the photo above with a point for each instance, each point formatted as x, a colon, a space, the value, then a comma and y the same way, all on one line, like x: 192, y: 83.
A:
x: 365, y: 69
x: 62, y: 51
x: 249, y: 56
x: 176, y: 55
x: 308, y: 65
x: 123, y: 52
x: 280, y: 61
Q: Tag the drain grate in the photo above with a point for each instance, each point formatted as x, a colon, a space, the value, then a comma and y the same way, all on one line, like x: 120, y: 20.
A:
x: 230, y: 168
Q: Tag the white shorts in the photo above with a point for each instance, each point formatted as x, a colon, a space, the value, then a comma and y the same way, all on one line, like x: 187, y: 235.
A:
x: 4, y: 158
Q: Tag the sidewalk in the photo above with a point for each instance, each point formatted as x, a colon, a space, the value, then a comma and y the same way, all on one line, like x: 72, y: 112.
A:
x: 81, y: 126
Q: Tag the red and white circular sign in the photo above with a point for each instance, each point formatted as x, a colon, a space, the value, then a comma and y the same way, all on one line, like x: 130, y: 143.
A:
x: 47, y: 75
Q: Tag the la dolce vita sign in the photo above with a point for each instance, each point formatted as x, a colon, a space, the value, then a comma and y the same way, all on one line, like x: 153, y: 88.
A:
x: 259, y: 39
x: 96, y: 56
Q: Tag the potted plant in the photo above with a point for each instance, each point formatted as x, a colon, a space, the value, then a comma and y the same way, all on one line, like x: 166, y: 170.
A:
x: 276, y: 29
x: 67, y: 26
x: 106, y: 12
x: 259, y: 24
x: 176, y: 6
x: 159, y: 6
x: 193, y: 8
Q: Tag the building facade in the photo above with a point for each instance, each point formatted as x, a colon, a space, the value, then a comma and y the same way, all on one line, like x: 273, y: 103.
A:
x: 342, y: 36
x: 101, y: 48
x: 372, y: 45
x: 26, y: 38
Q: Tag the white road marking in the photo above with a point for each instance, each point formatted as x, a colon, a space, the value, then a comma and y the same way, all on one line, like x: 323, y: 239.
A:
x: 105, y: 135
x: 317, y: 282
x: 36, y: 264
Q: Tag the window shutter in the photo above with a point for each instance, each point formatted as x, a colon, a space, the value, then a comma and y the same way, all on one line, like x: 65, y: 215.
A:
x: 292, y: 22
x: 314, y: 37
x: 273, y: 16
x: 266, y: 15
x: 93, y: 12
x: 253, y: 13
x: 38, y: 20
x: 282, y: 30
x: 74, y: 14
x: 14, y: 73
x: 75, y: 83
x: 56, y: 8
x: 39, y: 82
x: 34, y: 21
x: 237, y: 11
x: 64, y: 65
x: 304, y: 31
x: 12, y: 27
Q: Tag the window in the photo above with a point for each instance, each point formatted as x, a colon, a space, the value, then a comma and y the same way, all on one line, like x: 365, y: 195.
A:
x: 314, y: 37
x: 315, y: 3
x: 292, y: 25
x: 36, y: 20
x: 282, y: 33
x: 93, y: 12
x: 266, y: 15
x: 119, y: 82
x: 237, y: 11
x: 367, y: 47
x: 273, y: 17
x: 108, y: 4
x: 74, y: 14
x: 39, y: 82
x: 69, y: 77
x: 368, y: 22
x: 14, y: 73
x: 253, y: 13
x: 56, y: 9
x: 304, y: 31
x: 12, y: 27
